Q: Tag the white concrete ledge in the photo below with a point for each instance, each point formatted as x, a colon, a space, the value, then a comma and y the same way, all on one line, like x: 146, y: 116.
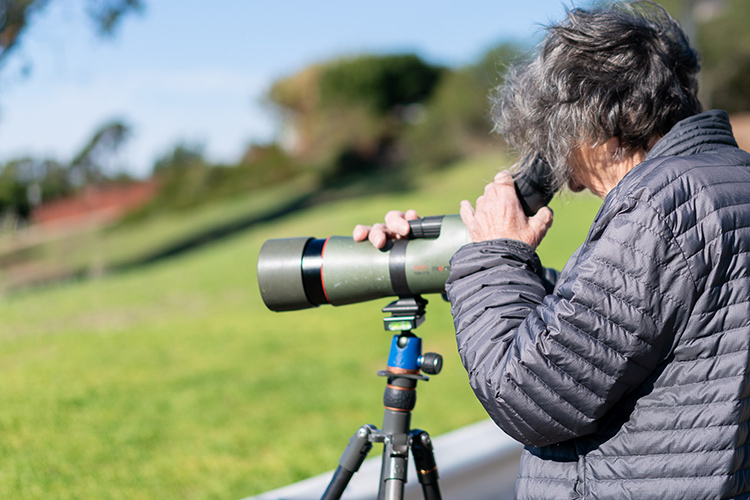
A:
x: 476, y: 462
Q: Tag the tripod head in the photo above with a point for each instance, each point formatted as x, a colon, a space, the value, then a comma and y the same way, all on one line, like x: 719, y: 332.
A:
x: 406, y: 358
x: 407, y: 313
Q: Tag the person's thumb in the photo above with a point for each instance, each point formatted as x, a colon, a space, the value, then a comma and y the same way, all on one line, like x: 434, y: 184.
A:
x: 539, y: 223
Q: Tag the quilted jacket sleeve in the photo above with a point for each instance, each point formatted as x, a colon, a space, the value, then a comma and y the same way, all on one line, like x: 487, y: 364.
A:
x: 547, y: 365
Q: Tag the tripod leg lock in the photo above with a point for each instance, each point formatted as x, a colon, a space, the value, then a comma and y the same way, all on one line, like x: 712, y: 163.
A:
x: 396, y: 457
x: 424, y: 457
x: 357, y: 449
x: 350, y: 461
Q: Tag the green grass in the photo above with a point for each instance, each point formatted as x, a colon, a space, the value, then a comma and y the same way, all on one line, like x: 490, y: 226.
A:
x: 174, y: 381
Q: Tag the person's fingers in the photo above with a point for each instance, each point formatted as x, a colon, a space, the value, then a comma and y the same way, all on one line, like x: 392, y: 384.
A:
x: 466, y: 212
x: 543, y: 218
x: 540, y: 223
x: 479, y: 203
x: 360, y: 232
x: 502, y: 190
x: 396, y: 226
x: 396, y: 223
x: 377, y: 235
x: 502, y: 193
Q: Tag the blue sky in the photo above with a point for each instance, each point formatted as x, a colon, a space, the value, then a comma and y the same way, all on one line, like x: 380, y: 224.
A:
x: 182, y: 71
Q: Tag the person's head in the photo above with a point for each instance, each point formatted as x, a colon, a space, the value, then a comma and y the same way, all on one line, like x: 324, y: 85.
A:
x: 622, y: 74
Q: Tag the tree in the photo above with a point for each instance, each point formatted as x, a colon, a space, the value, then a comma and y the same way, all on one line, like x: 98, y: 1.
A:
x: 183, y: 173
x: 17, y: 15
x: 718, y: 29
x: 14, y: 199
x: 455, y: 121
x: 351, y: 112
x: 26, y: 182
x: 724, y: 42
x: 93, y: 163
x: 381, y: 83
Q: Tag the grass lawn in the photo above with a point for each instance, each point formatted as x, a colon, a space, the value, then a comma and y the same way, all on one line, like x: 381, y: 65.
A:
x: 174, y: 381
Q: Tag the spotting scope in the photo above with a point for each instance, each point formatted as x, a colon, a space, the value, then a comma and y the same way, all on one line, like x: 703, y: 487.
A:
x: 298, y: 273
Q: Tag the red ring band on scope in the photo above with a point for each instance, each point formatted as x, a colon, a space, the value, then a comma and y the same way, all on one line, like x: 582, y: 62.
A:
x: 322, y: 281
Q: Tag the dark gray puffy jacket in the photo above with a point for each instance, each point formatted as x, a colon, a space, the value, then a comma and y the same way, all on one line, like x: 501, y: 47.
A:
x: 628, y: 377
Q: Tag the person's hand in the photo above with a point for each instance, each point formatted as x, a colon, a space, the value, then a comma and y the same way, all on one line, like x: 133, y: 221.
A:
x: 499, y: 214
x: 396, y: 227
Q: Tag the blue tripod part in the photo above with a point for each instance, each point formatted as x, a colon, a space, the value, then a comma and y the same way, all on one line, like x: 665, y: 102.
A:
x: 406, y: 357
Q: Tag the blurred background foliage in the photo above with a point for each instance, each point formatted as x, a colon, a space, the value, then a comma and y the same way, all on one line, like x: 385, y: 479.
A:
x: 347, y: 117
x: 350, y: 125
x: 16, y: 15
x: 353, y: 116
x: 718, y: 28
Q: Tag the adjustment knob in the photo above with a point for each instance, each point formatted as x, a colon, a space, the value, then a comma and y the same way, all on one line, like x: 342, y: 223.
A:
x: 431, y: 362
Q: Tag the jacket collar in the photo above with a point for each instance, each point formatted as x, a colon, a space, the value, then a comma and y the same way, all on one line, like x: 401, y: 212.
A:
x: 703, y: 132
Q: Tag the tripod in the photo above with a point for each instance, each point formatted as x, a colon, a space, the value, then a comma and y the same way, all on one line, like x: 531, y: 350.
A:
x: 404, y: 364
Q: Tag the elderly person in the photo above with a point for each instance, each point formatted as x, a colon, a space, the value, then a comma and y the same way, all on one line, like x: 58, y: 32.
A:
x: 628, y: 375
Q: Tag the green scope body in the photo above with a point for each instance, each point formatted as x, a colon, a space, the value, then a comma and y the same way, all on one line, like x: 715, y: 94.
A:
x: 304, y: 272
x: 298, y: 273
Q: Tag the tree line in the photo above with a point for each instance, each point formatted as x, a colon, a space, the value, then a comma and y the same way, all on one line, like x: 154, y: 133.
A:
x: 346, y: 118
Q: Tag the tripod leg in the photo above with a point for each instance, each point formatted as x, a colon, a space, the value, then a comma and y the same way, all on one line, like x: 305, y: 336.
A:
x: 394, y: 469
x: 424, y: 460
x: 350, y: 462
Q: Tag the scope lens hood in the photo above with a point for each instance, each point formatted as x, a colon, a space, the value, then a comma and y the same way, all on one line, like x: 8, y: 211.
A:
x: 280, y: 275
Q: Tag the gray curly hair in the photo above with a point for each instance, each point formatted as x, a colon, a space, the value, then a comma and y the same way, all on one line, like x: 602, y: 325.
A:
x: 622, y: 70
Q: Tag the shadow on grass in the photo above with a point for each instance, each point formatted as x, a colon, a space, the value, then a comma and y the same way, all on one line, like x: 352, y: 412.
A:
x: 214, y: 234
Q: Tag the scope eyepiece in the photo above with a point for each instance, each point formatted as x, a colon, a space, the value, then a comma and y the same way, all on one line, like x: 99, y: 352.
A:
x: 535, y: 184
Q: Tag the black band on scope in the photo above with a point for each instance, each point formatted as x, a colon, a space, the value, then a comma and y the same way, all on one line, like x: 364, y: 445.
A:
x: 397, y: 268
x: 312, y: 272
